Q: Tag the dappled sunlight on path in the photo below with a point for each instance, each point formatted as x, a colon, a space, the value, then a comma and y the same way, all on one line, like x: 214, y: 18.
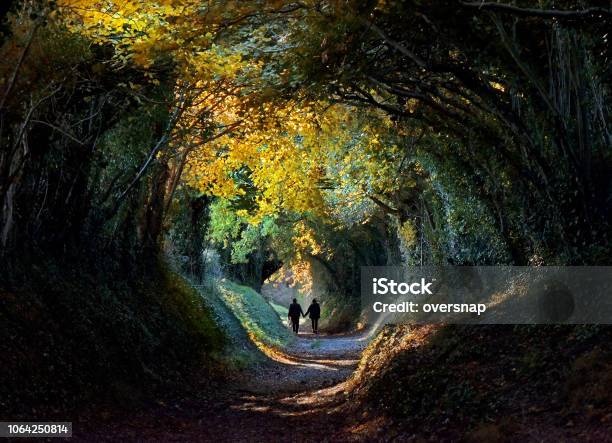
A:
x: 305, y: 382
x: 310, y: 362
x: 298, y: 394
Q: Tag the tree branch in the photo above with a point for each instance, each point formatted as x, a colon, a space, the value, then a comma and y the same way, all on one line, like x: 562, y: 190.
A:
x: 60, y: 130
x: 395, y: 44
x: 162, y: 142
x: 385, y: 207
x: 543, y: 13
x: 22, y: 56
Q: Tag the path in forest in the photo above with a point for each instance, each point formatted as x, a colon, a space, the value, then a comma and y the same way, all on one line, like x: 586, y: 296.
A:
x: 297, y: 395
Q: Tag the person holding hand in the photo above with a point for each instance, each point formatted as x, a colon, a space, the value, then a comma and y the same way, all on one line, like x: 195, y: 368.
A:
x: 295, y: 310
x: 314, y: 310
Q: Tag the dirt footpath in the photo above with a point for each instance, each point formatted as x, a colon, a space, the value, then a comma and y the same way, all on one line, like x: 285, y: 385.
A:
x: 296, y: 396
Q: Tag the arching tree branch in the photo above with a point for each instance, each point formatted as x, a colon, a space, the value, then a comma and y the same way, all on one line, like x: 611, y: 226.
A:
x: 543, y: 13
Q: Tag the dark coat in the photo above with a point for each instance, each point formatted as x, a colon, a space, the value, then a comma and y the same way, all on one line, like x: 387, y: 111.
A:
x: 295, y: 310
x: 314, y: 310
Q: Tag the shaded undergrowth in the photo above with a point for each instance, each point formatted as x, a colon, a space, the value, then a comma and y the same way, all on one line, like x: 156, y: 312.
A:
x: 69, y: 336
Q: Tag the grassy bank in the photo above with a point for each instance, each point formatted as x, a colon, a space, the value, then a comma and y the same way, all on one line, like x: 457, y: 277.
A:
x: 255, y: 314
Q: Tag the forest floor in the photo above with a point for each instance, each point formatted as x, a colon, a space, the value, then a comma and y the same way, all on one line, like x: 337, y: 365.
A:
x: 297, y: 395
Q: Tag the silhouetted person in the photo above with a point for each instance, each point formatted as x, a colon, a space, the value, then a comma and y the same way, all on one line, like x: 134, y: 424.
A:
x: 315, y: 314
x: 295, y: 310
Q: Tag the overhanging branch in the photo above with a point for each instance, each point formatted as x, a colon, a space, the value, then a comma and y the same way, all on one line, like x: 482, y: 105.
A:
x: 542, y: 13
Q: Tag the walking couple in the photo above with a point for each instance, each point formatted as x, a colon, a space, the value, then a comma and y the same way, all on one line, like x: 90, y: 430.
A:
x: 314, y: 311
